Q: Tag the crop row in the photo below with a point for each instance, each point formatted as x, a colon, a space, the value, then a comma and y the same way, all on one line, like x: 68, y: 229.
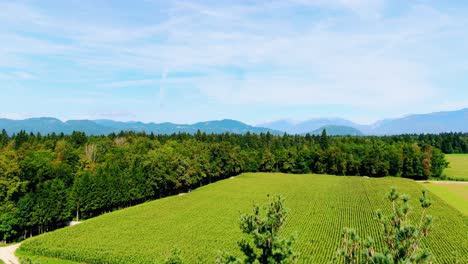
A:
x: 206, y: 220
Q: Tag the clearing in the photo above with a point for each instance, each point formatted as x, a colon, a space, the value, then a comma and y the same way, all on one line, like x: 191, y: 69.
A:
x: 454, y: 193
x: 458, y: 167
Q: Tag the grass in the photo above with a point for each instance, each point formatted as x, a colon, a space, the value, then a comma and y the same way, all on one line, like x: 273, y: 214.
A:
x: 7, y: 244
x: 27, y: 258
x: 458, y: 167
x: 206, y: 220
x: 455, y: 194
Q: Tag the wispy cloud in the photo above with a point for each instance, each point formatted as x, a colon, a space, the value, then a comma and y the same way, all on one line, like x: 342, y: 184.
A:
x: 356, y: 52
x: 130, y: 83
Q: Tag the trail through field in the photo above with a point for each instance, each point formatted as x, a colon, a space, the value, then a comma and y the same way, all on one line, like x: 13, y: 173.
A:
x: 445, y: 182
x: 7, y: 254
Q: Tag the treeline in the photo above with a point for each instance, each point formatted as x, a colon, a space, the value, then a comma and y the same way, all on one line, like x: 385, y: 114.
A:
x: 48, y: 180
x: 449, y: 143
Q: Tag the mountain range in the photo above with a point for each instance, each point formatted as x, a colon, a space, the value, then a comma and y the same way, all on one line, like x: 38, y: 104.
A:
x: 48, y: 125
x: 336, y: 130
x: 449, y: 121
x: 432, y: 123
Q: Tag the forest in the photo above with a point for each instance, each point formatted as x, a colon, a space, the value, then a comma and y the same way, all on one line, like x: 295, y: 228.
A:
x: 47, y: 180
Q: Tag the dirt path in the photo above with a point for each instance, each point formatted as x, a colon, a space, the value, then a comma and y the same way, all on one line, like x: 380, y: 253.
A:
x: 7, y: 254
x: 445, y: 182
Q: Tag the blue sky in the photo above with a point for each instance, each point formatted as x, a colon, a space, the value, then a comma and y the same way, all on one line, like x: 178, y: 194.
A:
x: 254, y: 61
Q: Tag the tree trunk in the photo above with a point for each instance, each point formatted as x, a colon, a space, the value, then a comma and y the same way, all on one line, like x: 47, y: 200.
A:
x: 77, y: 213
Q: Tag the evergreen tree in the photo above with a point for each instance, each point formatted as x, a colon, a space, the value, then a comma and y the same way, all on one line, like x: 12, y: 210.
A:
x: 324, y: 140
x: 402, y: 237
x: 265, y: 245
x: 3, y: 138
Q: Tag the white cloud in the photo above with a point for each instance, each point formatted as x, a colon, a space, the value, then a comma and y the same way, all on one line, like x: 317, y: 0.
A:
x: 387, y: 63
x: 16, y: 116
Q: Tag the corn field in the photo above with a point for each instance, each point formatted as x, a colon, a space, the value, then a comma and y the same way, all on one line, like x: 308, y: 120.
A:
x: 205, y: 221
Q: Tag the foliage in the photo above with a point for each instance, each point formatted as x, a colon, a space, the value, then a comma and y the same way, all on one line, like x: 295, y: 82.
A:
x: 207, y: 219
x: 402, y: 238
x: 175, y: 257
x: 27, y: 258
x: 46, y: 180
x: 265, y: 245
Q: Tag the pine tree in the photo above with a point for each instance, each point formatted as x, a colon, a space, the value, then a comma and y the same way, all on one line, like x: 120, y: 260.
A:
x: 402, y: 238
x: 265, y: 245
x: 324, y: 140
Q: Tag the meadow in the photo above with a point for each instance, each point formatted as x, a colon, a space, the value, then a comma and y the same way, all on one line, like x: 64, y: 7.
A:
x: 454, y: 193
x: 206, y: 220
x: 458, y: 167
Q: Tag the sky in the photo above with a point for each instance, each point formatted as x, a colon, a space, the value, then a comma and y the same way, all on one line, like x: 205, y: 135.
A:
x: 253, y: 61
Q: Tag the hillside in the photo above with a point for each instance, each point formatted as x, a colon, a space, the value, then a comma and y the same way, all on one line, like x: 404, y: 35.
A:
x: 338, y: 131
x: 47, y: 125
x: 206, y: 220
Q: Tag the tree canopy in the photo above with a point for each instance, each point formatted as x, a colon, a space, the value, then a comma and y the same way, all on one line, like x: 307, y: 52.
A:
x: 46, y: 180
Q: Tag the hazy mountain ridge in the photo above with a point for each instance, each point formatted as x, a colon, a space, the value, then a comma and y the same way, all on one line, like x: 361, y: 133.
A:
x: 293, y: 127
x: 47, y: 125
x: 449, y: 121
x: 432, y: 123
x: 334, y: 130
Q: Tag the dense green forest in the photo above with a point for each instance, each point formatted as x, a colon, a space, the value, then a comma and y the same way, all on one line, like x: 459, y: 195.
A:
x: 449, y: 143
x: 48, y: 180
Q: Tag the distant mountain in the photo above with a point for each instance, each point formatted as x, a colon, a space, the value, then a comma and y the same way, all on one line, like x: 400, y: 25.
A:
x: 292, y: 127
x: 287, y: 126
x: 450, y: 121
x: 333, y: 130
x: 47, y: 125
x: 434, y: 123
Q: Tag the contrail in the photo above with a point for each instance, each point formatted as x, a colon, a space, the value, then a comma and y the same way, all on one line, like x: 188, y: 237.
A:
x: 164, y: 74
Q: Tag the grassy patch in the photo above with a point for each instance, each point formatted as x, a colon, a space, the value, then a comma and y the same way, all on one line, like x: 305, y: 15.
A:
x: 455, y: 194
x: 28, y: 258
x: 458, y: 167
x: 7, y: 245
x: 206, y: 220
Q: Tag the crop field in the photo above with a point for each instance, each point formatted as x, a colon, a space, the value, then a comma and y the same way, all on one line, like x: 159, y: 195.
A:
x: 206, y: 220
x: 458, y: 167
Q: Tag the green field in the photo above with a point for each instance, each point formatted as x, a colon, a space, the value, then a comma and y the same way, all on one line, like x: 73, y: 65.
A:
x: 206, y: 220
x: 455, y: 194
x: 458, y: 167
